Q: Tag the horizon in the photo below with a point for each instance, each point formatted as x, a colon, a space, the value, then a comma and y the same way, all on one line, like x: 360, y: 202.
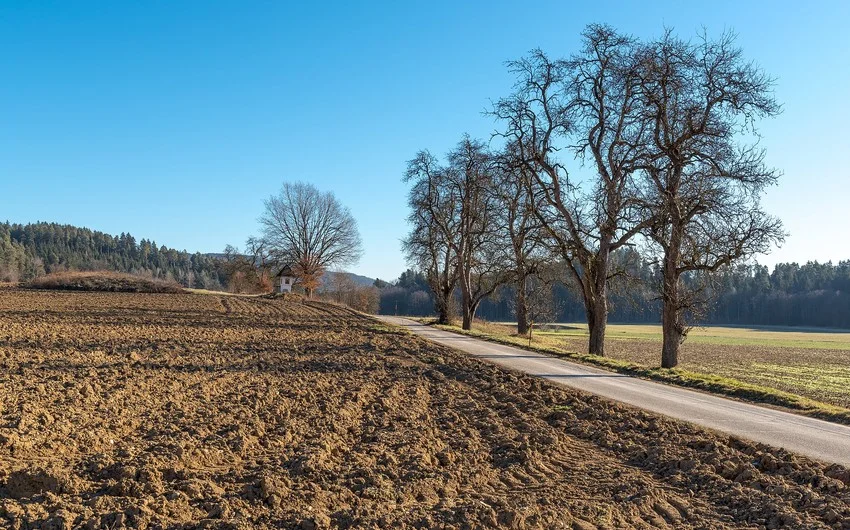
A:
x: 345, y: 270
x: 173, y: 124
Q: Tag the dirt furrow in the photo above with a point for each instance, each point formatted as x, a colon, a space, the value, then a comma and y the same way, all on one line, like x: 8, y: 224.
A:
x: 185, y: 411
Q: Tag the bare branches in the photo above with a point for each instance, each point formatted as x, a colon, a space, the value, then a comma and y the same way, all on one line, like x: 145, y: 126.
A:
x: 589, y: 104
x: 310, y: 230
x: 702, y: 188
x: 455, y: 216
x: 431, y: 245
x: 659, y: 124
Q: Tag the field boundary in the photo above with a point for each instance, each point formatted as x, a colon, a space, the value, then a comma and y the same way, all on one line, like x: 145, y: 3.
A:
x: 713, y: 384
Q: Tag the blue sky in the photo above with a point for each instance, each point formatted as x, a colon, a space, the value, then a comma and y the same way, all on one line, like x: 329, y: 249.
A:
x: 175, y: 120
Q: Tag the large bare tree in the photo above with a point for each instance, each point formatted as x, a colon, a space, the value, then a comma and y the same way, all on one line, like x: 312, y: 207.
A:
x: 703, y: 183
x: 310, y: 230
x: 586, y: 107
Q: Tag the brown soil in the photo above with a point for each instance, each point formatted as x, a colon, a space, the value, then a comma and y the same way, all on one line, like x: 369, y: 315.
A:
x: 194, y: 411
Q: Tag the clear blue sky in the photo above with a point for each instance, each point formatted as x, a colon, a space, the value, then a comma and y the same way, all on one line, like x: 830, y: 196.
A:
x: 175, y: 120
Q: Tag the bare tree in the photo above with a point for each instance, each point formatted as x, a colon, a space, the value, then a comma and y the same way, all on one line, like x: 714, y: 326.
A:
x: 262, y: 257
x: 541, y: 306
x: 586, y: 105
x: 520, y: 228
x: 340, y: 287
x: 311, y: 231
x: 481, y: 256
x: 241, y: 274
x: 429, y: 245
x: 703, y: 186
x: 454, y: 217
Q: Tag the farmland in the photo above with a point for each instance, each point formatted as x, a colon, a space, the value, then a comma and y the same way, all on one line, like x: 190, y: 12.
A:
x: 198, y: 410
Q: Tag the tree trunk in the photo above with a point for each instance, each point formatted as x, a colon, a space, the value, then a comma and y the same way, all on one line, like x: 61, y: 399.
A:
x: 444, y: 310
x: 596, y: 305
x: 521, y: 308
x: 671, y: 327
x: 466, y: 302
x: 597, y: 323
x: 468, y: 315
x: 672, y: 340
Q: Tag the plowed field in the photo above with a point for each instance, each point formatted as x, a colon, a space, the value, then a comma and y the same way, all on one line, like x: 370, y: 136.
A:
x: 201, y: 411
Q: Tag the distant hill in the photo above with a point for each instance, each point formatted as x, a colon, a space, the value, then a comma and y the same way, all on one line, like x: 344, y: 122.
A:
x: 29, y: 251
x: 32, y: 250
x: 361, y: 281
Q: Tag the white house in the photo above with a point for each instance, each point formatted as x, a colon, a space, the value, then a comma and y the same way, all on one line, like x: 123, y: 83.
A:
x: 285, y: 279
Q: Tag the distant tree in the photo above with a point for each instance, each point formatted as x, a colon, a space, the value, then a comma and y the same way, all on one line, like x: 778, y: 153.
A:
x: 310, y: 230
x: 231, y: 253
x: 242, y: 276
x: 410, y: 294
x: 430, y: 245
x: 342, y: 289
x: 341, y: 286
x: 455, y: 225
x: 521, y: 231
x: 413, y: 280
x: 379, y: 283
x: 541, y: 306
x: 262, y: 257
x: 703, y: 185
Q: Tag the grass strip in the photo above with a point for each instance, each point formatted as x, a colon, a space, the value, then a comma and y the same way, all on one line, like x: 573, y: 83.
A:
x: 707, y: 382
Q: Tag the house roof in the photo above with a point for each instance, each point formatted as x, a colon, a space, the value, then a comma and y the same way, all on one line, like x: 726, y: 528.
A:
x: 286, y: 270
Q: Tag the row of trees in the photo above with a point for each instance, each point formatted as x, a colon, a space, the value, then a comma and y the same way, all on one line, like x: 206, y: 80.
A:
x: 657, y: 135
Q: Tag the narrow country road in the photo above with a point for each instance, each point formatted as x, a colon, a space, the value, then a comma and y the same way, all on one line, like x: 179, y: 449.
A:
x: 815, y: 438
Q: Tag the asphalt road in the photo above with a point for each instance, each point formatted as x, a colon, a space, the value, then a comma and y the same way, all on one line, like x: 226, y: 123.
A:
x: 815, y: 438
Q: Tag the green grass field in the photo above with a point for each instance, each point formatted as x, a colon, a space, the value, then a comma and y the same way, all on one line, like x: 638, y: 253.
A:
x: 805, y: 369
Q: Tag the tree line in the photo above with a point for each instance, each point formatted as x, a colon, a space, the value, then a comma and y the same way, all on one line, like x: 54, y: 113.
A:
x: 302, y: 227
x: 809, y: 295
x: 28, y: 251
x: 628, y: 149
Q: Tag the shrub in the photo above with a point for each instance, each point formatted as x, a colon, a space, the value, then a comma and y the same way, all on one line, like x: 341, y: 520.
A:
x: 102, y: 281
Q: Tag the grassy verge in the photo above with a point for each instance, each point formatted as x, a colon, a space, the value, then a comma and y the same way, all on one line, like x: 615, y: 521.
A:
x: 701, y: 381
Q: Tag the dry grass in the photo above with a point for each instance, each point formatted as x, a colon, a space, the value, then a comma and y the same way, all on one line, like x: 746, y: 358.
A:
x: 105, y: 281
x: 805, y: 370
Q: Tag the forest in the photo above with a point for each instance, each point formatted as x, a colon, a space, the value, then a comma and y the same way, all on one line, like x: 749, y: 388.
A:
x: 31, y: 250
x: 809, y: 295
